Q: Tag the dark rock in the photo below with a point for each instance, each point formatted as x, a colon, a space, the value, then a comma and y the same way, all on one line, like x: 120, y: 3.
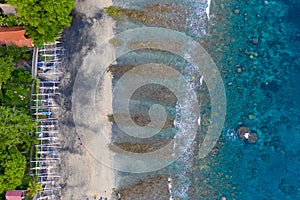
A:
x: 253, y: 137
x: 242, y: 131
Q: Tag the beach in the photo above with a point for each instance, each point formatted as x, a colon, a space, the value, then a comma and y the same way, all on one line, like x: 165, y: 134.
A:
x: 83, y: 173
x: 83, y: 176
x: 256, y: 51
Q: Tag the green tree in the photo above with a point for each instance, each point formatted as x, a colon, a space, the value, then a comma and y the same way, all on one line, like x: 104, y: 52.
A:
x: 43, y: 20
x: 21, y: 76
x: 33, y: 188
x: 9, y: 20
x: 14, y: 128
x: 12, y: 166
x: 8, y: 56
x: 6, y: 68
x: 15, y: 52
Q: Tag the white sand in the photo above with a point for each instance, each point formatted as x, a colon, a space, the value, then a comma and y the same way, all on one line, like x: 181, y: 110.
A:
x: 83, y: 175
x: 91, y: 7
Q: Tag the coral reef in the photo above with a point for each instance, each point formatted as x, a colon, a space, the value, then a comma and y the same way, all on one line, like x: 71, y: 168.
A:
x: 243, y: 132
x: 246, y: 134
x: 162, y: 15
x: 142, y: 148
x: 151, y: 188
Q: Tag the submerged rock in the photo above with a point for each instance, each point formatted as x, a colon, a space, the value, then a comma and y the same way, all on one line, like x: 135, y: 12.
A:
x: 151, y: 188
x: 246, y: 134
x: 139, y: 147
x: 253, y: 137
x: 161, y: 15
x: 243, y: 132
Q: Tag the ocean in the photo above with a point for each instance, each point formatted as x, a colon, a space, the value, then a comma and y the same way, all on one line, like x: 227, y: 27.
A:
x: 255, y: 46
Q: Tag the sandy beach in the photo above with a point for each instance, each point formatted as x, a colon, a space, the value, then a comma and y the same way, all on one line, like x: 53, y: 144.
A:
x: 83, y: 176
x: 86, y: 130
x: 254, y: 57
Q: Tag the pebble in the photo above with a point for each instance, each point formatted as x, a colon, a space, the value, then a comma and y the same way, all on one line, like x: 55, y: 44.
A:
x: 266, y: 3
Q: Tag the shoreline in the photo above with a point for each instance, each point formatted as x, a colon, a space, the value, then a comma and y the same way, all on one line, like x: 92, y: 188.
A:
x: 83, y: 176
x: 222, y: 48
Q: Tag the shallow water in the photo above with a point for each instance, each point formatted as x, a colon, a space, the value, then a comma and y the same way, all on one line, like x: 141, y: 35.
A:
x: 256, y: 48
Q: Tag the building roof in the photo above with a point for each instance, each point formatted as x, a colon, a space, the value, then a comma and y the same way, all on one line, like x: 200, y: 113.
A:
x: 14, y: 36
x: 7, y: 9
x: 14, y: 195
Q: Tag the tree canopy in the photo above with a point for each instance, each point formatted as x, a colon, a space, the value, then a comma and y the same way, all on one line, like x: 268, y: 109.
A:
x: 12, y: 166
x: 16, y: 90
x: 15, y: 120
x: 16, y: 52
x: 14, y: 129
x: 9, y: 20
x: 43, y: 20
x: 6, y: 67
x: 9, y: 55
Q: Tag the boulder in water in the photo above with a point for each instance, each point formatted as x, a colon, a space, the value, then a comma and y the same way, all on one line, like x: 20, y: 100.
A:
x: 243, y: 132
x: 253, y: 137
x: 246, y: 134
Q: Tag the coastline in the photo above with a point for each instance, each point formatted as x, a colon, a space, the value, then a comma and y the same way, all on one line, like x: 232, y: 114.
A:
x: 83, y: 176
x: 227, y: 44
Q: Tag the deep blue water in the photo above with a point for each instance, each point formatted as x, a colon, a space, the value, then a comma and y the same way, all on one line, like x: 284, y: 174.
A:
x: 262, y: 80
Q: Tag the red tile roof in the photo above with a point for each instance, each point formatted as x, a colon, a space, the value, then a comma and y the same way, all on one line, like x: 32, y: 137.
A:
x: 14, y: 195
x: 14, y: 36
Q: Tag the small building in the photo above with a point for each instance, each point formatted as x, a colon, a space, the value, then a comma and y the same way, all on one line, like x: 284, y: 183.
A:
x: 14, y: 195
x: 6, y: 9
x: 14, y: 35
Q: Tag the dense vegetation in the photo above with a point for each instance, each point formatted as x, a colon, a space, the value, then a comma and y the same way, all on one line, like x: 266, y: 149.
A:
x: 15, y: 127
x: 10, y: 20
x: 6, y: 68
x: 9, y: 56
x: 43, y: 20
x: 15, y: 120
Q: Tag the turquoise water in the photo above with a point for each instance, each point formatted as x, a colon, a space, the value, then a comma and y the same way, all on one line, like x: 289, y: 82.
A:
x: 269, y: 90
x: 256, y: 46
